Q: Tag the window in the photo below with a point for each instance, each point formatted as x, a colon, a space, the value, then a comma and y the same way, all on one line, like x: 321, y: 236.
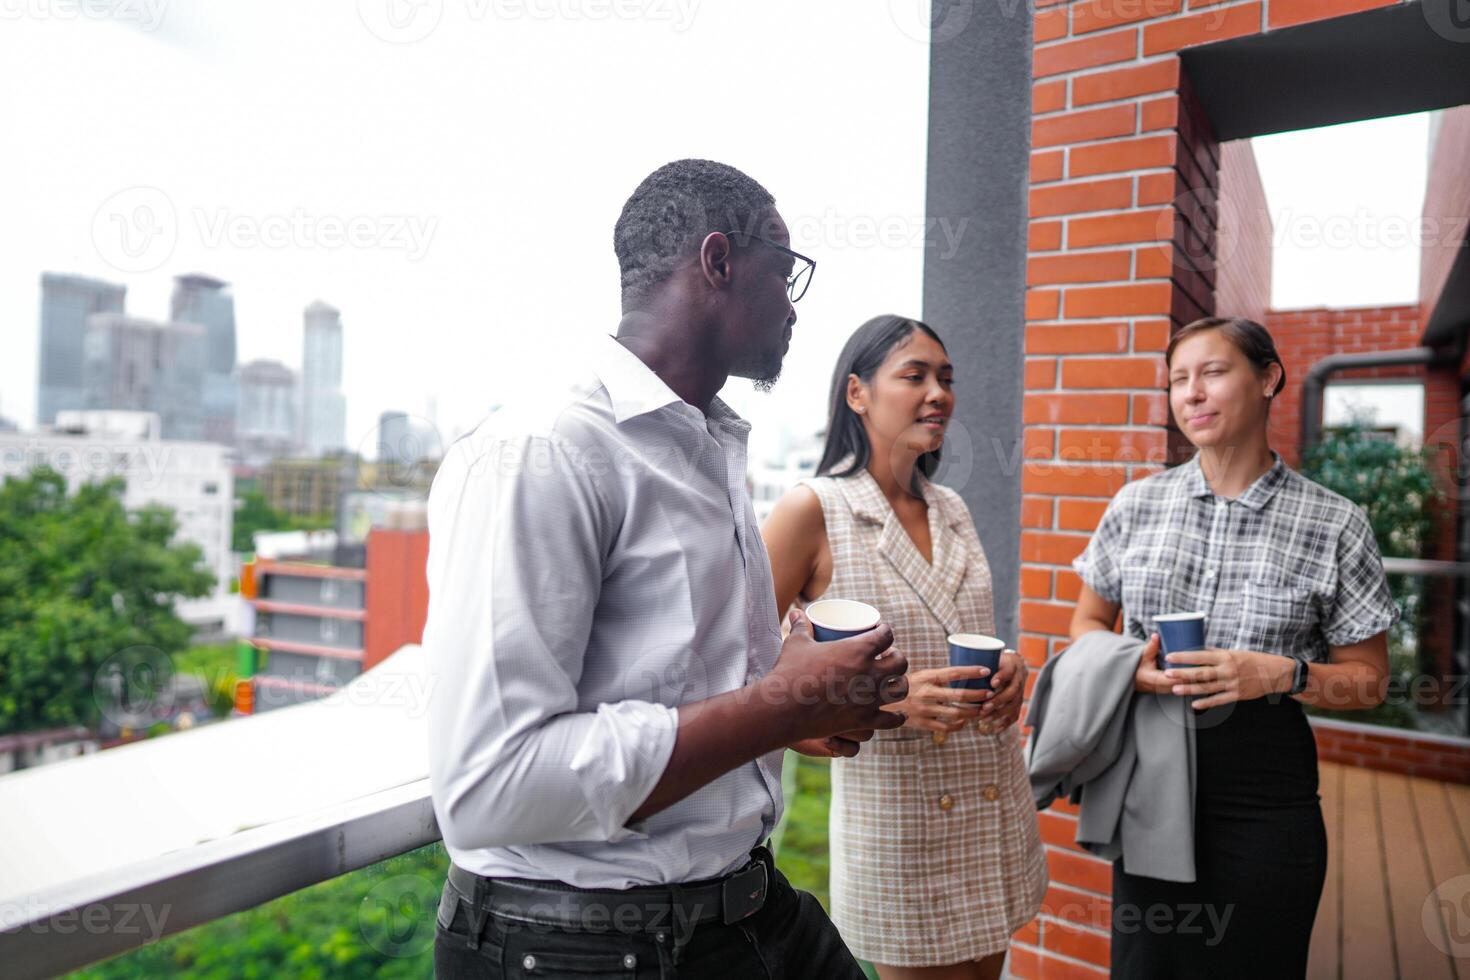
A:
x: 1395, y: 408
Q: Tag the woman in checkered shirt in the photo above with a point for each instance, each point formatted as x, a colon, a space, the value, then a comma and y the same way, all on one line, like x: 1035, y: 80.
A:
x: 1297, y: 607
x: 936, y: 854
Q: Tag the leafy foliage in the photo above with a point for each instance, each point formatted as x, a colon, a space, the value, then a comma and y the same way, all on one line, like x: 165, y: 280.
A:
x: 334, y: 929
x: 82, y: 578
x: 253, y: 513
x: 1395, y: 487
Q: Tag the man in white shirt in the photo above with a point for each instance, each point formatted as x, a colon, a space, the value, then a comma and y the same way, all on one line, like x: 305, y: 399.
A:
x: 612, y: 696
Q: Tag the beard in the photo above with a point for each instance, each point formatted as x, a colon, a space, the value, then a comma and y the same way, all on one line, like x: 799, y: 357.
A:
x: 765, y: 376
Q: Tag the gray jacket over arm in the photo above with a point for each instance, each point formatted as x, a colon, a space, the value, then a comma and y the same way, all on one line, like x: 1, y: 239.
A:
x: 1132, y: 753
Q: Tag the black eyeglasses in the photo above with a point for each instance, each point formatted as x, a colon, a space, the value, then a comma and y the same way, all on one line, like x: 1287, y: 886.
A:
x: 800, y: 279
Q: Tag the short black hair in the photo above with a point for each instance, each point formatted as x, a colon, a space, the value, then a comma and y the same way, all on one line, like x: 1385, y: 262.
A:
x: 674, y: 208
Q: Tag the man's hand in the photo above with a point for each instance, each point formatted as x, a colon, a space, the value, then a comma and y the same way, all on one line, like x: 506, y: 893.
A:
x: 826, y: 689
x: 843, y: 746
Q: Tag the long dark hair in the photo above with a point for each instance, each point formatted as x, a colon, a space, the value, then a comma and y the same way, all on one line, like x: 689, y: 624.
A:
x: 864, y: 351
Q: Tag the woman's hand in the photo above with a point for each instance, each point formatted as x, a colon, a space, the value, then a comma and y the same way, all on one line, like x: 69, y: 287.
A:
x: 935, y: 706
x: 1224, y: 676
x: 1148, y: 679
x: 1004, y: 709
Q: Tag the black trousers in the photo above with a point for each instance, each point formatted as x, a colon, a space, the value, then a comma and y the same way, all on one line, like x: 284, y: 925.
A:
x: 790, y: 937
x: 1260, y: 856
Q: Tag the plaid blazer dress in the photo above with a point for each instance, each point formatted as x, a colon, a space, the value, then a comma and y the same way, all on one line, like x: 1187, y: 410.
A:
x: 936, y: 854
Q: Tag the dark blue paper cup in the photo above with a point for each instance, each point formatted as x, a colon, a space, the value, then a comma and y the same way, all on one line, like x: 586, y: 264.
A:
x: 975, y: 650
x: 837, y: 619
x: 1179, y: 633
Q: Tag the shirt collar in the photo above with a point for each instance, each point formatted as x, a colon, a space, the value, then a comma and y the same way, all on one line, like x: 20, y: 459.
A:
x: 632, y: 386
x: 1256, y: 496
x: 635, y: 389
x: 866, y: 498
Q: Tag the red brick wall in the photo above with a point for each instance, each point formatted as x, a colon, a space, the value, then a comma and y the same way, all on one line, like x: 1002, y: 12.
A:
x: 1446, y: 203
x: 1244, y: 251
x: 1304, y: 337
x: 397, y: 592
x: 1123, y: 247
x: 1389, y: 750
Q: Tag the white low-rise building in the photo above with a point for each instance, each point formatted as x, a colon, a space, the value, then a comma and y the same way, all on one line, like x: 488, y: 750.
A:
x: 194, y: 479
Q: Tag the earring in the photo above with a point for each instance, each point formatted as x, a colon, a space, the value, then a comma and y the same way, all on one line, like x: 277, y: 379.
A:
x: 861, y: 410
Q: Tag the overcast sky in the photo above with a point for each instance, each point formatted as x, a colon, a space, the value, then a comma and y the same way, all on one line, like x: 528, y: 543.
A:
x: 447, y: 173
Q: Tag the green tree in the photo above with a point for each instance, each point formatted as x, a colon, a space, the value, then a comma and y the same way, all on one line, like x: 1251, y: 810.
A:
x: 1391, y: 483
x: 82, y: 579
x: 253, y: 513
x: 1395, y: 487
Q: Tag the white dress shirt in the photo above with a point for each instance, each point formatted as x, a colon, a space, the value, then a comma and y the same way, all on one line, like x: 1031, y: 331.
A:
x: 594, y: 563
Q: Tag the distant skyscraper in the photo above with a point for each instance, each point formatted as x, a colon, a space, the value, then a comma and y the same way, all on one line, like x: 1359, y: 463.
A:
x: 266, y: 421
x: 324, y: 408
x: 66, y: 302
x: 396, y: 443
x: 207, y: 302
x: 146, y: 366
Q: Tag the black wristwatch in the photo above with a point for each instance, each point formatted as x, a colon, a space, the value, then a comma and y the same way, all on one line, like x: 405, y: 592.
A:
x: 1299, y: 679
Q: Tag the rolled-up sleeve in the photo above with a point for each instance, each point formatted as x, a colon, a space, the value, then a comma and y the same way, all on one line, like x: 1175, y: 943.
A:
x: 518, y: 540
x: 1097, y: 566
x: 1361, y: 605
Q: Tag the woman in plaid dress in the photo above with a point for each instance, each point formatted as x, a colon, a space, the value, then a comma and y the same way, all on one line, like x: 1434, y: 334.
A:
x: 936, y: 854
x: 1291, y: 580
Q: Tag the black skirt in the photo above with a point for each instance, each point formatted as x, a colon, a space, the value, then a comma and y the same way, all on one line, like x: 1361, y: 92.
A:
x: 1260, y: 855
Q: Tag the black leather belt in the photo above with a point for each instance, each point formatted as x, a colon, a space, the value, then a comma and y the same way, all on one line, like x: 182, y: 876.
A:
x: 672, y: 909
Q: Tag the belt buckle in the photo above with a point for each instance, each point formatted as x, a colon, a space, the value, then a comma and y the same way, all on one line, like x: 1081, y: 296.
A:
x: 745, y: 893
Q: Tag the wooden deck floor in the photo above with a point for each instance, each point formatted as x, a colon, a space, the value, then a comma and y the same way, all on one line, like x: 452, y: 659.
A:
x: 1392, y: 841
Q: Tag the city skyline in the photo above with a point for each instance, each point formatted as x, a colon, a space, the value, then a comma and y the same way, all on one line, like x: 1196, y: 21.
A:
x: 448, y: 254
